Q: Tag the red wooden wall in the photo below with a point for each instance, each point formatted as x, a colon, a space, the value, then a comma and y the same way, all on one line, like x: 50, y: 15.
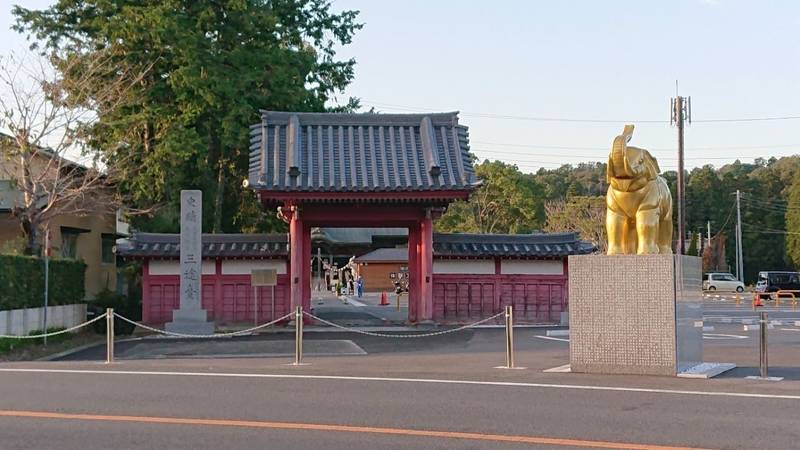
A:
x: 467, y: 298
x: 227, y: 298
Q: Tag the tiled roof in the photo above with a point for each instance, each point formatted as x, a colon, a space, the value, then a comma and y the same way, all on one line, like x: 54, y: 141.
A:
x: 333, y: 152
x: 156, y: 245
x: 384, y: 255
x: 510, y: 245
x: 153, y: 245
x: 364, y: 236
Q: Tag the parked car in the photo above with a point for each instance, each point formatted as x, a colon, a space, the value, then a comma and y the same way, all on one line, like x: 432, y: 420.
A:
x: 778, y: 281
x: 716, y: 281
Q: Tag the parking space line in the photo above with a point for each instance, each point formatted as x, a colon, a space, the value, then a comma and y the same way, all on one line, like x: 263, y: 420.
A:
x: 550, y: 338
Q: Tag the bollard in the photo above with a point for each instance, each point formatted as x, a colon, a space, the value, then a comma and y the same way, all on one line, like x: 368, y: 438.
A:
x: 109, y: 335
x: 738, y: 299
x: 762, y: 353
x: 509, y: 337
x: 298, y: 336
x: 398, y: 301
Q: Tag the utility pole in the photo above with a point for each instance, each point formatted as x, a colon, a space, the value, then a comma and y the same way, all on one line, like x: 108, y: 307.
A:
x: 739, y: 259
x: 681, y: 109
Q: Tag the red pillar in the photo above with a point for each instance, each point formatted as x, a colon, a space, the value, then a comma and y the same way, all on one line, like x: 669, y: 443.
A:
x: 426, y: 268
x: 305, y: 280
x: 296, y: 257
x: 413, y: 274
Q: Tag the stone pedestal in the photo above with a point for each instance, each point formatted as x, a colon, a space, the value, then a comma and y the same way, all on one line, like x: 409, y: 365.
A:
x: 635, y: 314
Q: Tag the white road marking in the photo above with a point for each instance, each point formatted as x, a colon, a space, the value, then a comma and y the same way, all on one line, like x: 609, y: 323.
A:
x: 714, y: 336
x: 551, y: 338
x: 790, y: 329
x: 410, y: 380
x: 355, y: 302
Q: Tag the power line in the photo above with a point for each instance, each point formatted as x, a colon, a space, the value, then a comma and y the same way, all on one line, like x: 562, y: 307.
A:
x: 602, y: 156
x: 577, y: 120
x: 575, y: 147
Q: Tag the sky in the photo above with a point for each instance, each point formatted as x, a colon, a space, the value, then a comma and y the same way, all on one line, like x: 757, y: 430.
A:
x: 506, y: 64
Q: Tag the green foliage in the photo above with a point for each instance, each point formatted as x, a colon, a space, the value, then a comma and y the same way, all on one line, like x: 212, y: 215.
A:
x: 209, y: 66
x: 129, y: 307
x: 22, y: 282
x: 793, y: 223
x: 9, y: 344
x: 507, y: 202
x: 585, y: 215
x: 693, y: 247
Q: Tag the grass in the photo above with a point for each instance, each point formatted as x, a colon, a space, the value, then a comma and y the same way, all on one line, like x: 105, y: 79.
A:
x: 8, y: 345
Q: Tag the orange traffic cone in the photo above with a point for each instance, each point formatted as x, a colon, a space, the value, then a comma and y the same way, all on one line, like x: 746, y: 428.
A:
x: 384, y: 299
x: 757, y: 301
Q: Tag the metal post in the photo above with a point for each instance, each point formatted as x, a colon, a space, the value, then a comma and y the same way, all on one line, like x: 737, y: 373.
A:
x: 109, y: 335
x: 298, y: 336
x: 398, y: 301
x: 680, y: 184
x: 509, y: 337
x: 763, y: 361
x: 46, y: 281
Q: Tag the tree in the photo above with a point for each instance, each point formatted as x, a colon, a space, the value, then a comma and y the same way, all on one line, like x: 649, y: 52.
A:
x: 793, y: 224
x: 508, y: 201
x: 44, y: 124
x: 692, y: 250
x: 585, y: 215
x: 215, y: 63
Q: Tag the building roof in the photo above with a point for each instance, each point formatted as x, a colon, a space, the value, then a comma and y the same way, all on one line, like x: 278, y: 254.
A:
x: 158, y: 245
x: 535, y: 245
x: 445, y: 245
x: 384, y: 255
x: 335, y: 152
x: 363, y: 236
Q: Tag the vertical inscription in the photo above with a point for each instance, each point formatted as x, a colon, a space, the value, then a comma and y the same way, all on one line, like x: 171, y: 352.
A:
x: 191, y: 247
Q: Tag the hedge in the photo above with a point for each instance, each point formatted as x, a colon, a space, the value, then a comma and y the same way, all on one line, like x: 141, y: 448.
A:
x: 22, y: 282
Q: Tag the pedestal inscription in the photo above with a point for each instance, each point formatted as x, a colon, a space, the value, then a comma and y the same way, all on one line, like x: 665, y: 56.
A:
x: 635, y: 314
x: 190, y: 317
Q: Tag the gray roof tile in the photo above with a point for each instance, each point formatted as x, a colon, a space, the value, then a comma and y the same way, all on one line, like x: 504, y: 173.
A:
x: 332, y: 152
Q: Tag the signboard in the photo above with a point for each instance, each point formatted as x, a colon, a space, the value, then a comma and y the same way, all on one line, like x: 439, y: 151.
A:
x: 263, y: 277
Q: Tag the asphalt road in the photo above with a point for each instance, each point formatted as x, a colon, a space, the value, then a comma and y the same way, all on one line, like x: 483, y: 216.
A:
x: 440, y: 392
x: 426, y: 396
x: 139, y: 411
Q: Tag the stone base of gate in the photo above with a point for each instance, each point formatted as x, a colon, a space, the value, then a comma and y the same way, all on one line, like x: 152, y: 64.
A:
x: 635, y: 314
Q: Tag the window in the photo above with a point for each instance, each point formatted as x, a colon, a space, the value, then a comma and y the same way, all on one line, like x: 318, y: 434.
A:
x: 107, y: 248
x: 726, y: 277
x: 69, y: 243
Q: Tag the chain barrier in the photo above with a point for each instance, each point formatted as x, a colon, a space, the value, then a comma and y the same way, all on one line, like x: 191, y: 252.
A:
x: 436, y: 333
x: 203, y: 336
x: 54, y: 333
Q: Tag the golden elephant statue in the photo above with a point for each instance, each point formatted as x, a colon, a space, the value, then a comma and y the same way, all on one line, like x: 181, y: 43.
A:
x: 638, y: 203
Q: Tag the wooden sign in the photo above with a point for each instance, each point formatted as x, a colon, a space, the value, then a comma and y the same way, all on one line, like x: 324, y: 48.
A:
x: 263, y: 277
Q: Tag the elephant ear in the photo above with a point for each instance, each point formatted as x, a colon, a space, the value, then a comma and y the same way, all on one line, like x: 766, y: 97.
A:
x: 609, y: 170
x: 651, y: 166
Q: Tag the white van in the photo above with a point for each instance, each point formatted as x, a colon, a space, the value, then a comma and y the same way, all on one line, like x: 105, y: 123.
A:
x: 716, y: 281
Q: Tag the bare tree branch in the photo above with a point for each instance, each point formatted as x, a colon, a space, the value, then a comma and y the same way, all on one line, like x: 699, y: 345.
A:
x: 45, y: 132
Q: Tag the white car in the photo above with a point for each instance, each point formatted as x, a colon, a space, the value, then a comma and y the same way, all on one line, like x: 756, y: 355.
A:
x: 722, y: 282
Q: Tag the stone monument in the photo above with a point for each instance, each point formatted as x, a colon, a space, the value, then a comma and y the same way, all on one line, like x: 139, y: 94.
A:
x: 190, y: 317
x: 638, y: 309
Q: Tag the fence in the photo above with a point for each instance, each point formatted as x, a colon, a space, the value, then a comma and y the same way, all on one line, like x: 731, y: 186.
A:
x: 20, y: 322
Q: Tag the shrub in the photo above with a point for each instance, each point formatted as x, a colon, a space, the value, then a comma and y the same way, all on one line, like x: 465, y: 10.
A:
x: 22, y: 282
x: 129, y: 307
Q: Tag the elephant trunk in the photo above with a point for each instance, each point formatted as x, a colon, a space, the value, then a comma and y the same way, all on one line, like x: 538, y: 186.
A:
x: 619, y: 153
